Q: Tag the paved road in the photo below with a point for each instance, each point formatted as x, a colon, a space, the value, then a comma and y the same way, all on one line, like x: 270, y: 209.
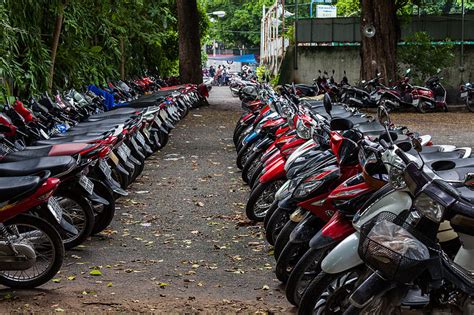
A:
x: 180, y: 240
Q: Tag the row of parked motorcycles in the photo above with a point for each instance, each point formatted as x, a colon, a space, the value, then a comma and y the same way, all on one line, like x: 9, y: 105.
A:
x: 372, y: 93
x: 364, y: 216
x: 66, y: 158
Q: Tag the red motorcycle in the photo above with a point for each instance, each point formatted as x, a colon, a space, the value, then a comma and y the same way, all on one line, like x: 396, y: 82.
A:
x: 405, y: 95
x: 31, y: 249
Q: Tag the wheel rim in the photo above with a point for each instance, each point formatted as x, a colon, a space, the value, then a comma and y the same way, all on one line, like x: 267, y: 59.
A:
x: 74, y: 215
x: 335, y: 298
x: 266, y: 199
x: 43, y: 246
x: 309, y: 274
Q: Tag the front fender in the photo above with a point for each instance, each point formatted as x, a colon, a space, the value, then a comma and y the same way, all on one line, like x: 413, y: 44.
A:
x: 344, y: 256
x: 306, y: 229
x: 337, y: 229
x: 276, y: 172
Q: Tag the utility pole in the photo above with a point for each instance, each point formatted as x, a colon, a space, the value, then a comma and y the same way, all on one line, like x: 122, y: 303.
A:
x: 461, y: 67
x: 295, y: 63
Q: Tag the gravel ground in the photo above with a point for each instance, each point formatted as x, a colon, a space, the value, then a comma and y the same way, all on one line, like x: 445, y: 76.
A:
x: 180, y: 241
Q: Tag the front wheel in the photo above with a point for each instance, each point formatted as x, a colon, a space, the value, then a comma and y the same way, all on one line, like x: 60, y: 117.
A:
x: 275, y: 224
x: 289, y: 257
x: 283, y: 238
x: 261, y: 199
x: 329, y: 293
x: 38, y: 234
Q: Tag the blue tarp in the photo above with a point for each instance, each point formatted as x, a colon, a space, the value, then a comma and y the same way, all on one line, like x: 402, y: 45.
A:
x: 243, y: 58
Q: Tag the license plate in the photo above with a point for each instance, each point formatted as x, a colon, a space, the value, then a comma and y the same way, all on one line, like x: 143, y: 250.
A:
x: 463, y: 94
x: 121, y: 152
x: 86, y: 184
x: 126, y: 149
x: 105, y: 169
x: 140, y: 138
x: 55, y: 208
x: 113, y: 158
x: 134, y: 144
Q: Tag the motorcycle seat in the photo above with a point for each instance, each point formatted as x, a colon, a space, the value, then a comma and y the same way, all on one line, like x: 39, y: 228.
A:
x: 84, y: 132
x: 111, y: 118
x: 118, y: 111
x: 370, y: 127
x: 46, y: 150
x: 438, y: 156
x: 11, y: 187
x: 56, y: 165
x: 73, y: 139
x: 448, y: 165
x: 111, y: 121
x: 457, y: 174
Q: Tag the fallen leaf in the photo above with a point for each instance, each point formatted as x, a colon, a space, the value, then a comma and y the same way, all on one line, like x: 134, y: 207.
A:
x: 95, y: 272
x: 56, y: 280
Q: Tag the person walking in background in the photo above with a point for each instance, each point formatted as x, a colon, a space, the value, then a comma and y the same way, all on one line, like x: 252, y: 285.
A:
x: 212, y: 71
x: 218, y: 76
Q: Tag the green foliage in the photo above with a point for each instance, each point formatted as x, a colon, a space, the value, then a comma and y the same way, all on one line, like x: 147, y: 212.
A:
x: 90, y: 41
x: 241, y: 24
x: 424, y: 58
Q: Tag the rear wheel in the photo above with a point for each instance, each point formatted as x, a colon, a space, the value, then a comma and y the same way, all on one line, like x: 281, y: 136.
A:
x: 78, y: 212
x: 48, y: 248
x: 422, y: 107
x: 103, y: 214
x: 470, y: 103
x: 243, y: 155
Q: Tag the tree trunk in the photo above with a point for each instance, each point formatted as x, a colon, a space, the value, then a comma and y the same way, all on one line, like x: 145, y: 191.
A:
x: 189, y: 42
x: 122, y: 58
x: 54, y: 46
x: 378, y: 53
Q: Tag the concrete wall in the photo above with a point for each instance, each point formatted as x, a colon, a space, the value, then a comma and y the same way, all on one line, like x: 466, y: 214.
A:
x: 311, y: 59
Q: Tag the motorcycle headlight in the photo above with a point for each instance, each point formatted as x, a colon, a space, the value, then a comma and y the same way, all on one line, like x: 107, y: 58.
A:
x: 303, y: 131
x: 429, y: 207
x: 305, y: 188
x: 396, y: 178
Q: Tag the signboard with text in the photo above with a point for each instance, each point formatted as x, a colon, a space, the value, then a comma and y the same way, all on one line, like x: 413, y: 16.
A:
x: 326, y: 11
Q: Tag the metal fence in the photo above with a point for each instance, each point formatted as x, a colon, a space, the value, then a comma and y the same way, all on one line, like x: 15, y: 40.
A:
x: 347, y: 29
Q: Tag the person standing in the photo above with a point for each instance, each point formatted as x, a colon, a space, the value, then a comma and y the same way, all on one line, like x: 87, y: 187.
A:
x: 212, y: 71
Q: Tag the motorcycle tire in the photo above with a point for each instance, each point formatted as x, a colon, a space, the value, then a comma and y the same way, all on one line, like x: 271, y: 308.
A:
x: 256, y: 175
x: 104, y: 217
x: 269, y: 214
x: 84, y: 208
x: 57, y: 257
x: 237, y: 131
x: 164, y: 138
x: 283, y: 238
x: 312, y: 296
x: 307, y: 268
x: 421, y: 107
x: 288, y: 259
x: 263, y: 190
x: 251, y: 166
x: 469, y: 104
x: 243, y: 155
x: 275, y: 224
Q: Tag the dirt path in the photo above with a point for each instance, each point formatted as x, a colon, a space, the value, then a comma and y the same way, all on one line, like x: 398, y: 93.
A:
x: 180, y: 241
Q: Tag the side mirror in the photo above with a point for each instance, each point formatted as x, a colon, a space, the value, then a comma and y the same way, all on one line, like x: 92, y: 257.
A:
x: 383, y: 116
x: 469, y: 179
x: 319, y: 71
x: 417, y: 145
x: 333, y: 71
x: 327, y: 103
